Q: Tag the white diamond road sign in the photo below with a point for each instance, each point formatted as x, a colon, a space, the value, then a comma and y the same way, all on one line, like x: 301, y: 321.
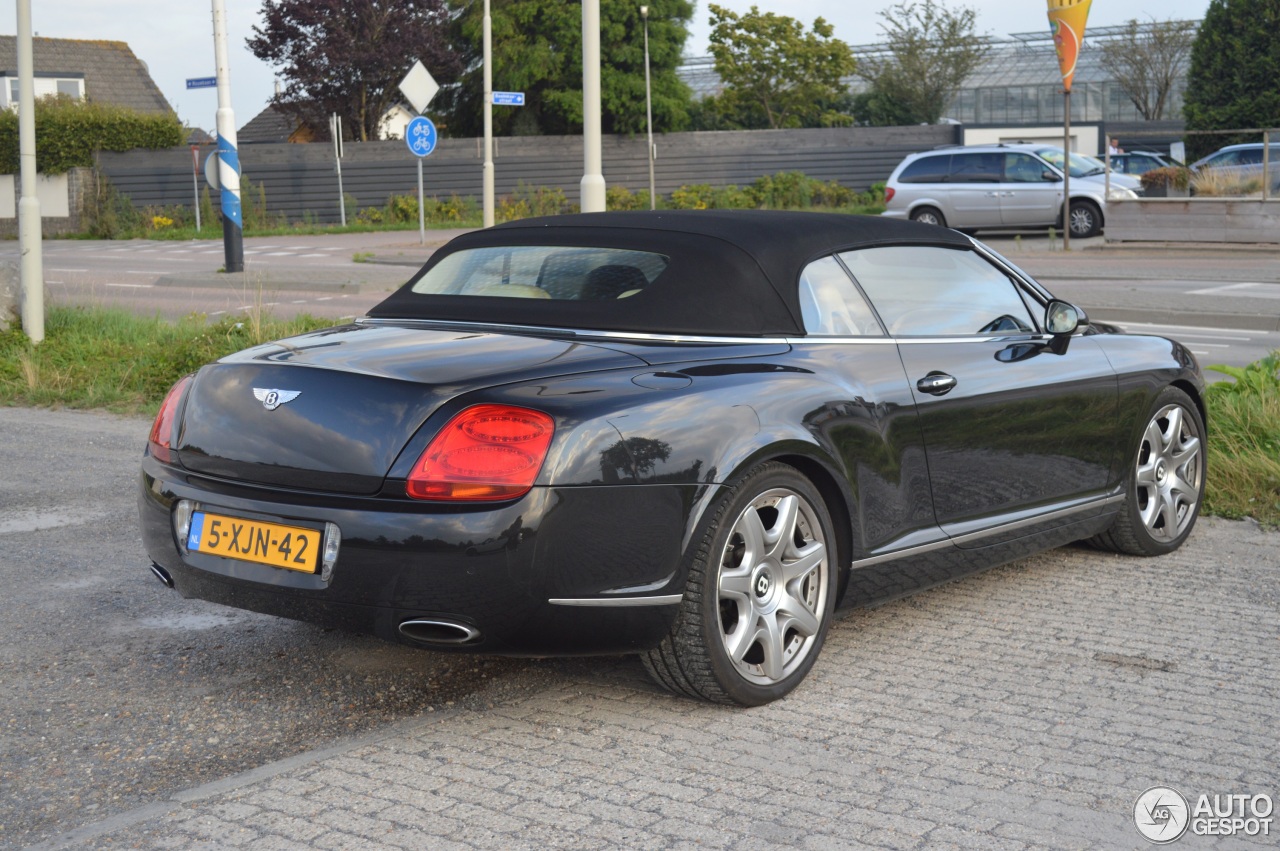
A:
x: 508, y: 98
x: 419, y: 87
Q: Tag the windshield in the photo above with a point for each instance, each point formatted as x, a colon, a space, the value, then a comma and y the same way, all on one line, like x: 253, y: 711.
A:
x: 1081, y: 165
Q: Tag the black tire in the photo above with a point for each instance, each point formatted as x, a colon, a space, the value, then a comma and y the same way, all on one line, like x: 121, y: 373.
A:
x: 1163, y: 474
x: 1086, y: 219
x: 929, y: 216
x: 730, y: 596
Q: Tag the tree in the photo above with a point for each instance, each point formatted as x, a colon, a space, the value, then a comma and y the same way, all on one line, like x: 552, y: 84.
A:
x: 1235, y: 63
x: 774, y: 73
x: 929, y: 52
x: 348, y: 56
x: 537, y: 49
x: 1148, y: 60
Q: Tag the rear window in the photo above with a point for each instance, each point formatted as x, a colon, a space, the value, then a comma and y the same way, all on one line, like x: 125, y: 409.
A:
x: 543, y: 272
x: 926, y: 170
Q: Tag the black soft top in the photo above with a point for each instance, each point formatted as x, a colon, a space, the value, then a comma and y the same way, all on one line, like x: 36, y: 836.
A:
x: 731, y: 272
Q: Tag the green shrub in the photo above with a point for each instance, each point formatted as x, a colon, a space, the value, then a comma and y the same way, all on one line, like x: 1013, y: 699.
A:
x: 622, y: 198
x: 70, y: 131
x: 1244, y: 442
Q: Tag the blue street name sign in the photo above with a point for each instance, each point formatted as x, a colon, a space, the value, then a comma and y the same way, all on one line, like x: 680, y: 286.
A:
x: 508, y: 98
x: 202, y: 82
x: 420, y: 136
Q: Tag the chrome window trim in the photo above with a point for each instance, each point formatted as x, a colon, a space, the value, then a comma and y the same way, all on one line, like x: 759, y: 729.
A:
x: 617, y: 602
x: 998, y: 529
x: 639, y: 337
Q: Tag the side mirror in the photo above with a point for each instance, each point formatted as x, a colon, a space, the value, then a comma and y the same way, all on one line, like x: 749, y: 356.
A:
x: 1050, y: 176
x: 1061, y: 319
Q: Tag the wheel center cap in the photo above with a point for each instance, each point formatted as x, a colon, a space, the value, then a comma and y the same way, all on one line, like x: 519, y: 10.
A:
x: 1160, y: 472
x: 762, y: 584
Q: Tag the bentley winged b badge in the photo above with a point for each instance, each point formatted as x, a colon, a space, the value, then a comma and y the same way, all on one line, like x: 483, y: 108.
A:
x: 272, y: 399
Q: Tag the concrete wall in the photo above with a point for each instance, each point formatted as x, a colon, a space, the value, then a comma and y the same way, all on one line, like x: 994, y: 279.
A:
x: 1194, y: 220
x: 60, y: 196
x: 301, y: 178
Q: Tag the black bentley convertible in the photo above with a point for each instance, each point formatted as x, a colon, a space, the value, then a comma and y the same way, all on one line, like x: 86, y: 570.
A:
x: 688, y: 435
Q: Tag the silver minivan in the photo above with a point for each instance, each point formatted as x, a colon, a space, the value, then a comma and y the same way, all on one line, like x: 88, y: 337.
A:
x: 1003, y: 186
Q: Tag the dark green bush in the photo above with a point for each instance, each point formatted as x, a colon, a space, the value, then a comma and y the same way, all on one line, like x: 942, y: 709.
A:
x: 70, y: 131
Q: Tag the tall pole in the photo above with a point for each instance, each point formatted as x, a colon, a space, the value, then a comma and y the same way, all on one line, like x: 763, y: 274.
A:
x: 32, y: 265
x: 228, y: 156
x: 592, y: 185
x: 1066, y: 170
x: 648, y: 108
x: 488, y: 117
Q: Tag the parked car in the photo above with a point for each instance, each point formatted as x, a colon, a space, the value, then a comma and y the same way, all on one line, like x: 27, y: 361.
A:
x: 1001, y: 186
x: 1241, y: 162
x: 1137, y: 162
x: 687, y: 435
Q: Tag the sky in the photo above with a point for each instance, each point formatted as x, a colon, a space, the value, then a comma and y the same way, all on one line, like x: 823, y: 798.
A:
x: 175, y: 37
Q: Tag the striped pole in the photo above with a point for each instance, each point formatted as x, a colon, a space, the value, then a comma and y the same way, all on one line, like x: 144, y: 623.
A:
x: 228, y: 157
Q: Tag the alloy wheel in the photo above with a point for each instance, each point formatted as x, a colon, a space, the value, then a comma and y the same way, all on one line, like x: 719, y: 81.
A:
x: 1169, y: 471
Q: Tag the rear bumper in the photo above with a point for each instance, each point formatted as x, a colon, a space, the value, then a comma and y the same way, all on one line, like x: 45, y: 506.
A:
x: 493, y: 568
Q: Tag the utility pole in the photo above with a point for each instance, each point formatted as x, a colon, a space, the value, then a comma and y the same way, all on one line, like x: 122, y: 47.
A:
x: 32, y: 265
x: 228, y: 157
x: 592, y: 186
x: 488, y: 117
x: 648, y: 109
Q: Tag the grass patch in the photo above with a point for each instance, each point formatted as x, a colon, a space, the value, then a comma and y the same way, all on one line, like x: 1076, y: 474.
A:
x: 95, y: 358
x: 1244, y: 442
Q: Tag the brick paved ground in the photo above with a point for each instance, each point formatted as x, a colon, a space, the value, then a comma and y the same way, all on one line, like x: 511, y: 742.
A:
x: 1023, y: 708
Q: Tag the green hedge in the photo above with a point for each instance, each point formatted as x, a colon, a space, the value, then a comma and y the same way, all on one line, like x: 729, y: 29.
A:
x: 69, y: 131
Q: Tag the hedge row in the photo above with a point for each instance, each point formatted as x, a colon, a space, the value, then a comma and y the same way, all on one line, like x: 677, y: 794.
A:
x: 69, y: 131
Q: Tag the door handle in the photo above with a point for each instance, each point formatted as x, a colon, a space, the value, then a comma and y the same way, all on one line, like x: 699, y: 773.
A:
x: 993, y: 194
x: 936, y: 384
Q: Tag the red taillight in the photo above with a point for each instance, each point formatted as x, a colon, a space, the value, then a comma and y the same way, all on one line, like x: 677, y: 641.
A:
x: 487, y: 452
x: 162, y: 428
x: 888, y: 194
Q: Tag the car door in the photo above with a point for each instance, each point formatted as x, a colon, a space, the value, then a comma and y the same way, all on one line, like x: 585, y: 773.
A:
x: 1030, y: 193
x: 1018, y: 432
x: 973, y: 187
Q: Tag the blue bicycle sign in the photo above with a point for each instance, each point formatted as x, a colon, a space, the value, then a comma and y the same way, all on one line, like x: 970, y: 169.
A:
x: 420, y: 136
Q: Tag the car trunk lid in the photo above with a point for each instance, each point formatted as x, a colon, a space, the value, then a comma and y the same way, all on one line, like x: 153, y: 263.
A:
x: 332, y: 410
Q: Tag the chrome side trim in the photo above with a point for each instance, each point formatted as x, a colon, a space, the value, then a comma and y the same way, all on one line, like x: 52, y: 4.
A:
x: 1038, y: 518
x: 998, y: 529
x: 637, y: 337
x: 617, y: 602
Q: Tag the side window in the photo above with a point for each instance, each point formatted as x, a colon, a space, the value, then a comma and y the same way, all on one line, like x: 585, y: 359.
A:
x: 1023, y: 168
x: 831, y: 304
x: 976, y: 168
x: 938, y: 292
x: 932, y: 169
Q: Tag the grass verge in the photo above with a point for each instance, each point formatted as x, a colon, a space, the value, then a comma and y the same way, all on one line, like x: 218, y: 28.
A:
x: 1244, y: 442
x: 95, y: 358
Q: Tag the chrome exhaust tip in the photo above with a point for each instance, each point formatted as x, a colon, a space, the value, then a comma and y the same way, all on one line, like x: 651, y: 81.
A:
x: 162, y: 575
x: 438, y: 632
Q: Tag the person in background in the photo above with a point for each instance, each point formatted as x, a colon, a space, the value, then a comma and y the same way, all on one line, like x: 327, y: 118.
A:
x: 1113, y: 147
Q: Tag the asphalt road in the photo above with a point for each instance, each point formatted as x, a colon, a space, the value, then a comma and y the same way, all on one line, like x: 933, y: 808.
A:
x: 1026, y: 707
x: 1223, y: 302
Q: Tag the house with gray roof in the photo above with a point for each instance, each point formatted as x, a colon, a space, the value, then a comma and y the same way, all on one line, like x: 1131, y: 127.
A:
x: 101, y: 71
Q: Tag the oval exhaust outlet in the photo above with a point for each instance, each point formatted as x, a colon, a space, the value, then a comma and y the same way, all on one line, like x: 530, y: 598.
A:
x: 162, y: 575
x: 432, y: 631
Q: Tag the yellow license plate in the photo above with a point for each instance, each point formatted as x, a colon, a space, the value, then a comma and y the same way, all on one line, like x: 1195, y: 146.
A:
x: 289, y: 547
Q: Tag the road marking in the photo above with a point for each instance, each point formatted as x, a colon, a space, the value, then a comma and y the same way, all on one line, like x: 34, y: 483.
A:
x: 133, y: 272
x: 1240, y: 291
x: 134, y: 286
x: 278, y: 254
x: 217, y: 313
x: 315, y: 255
x: 68, y: 270
x: 325, y: 298
x: 1184, y: 327
x: 299, y: 301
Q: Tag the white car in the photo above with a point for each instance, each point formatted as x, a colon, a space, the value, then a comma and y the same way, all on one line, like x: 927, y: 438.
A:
x: 1003, y: 186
